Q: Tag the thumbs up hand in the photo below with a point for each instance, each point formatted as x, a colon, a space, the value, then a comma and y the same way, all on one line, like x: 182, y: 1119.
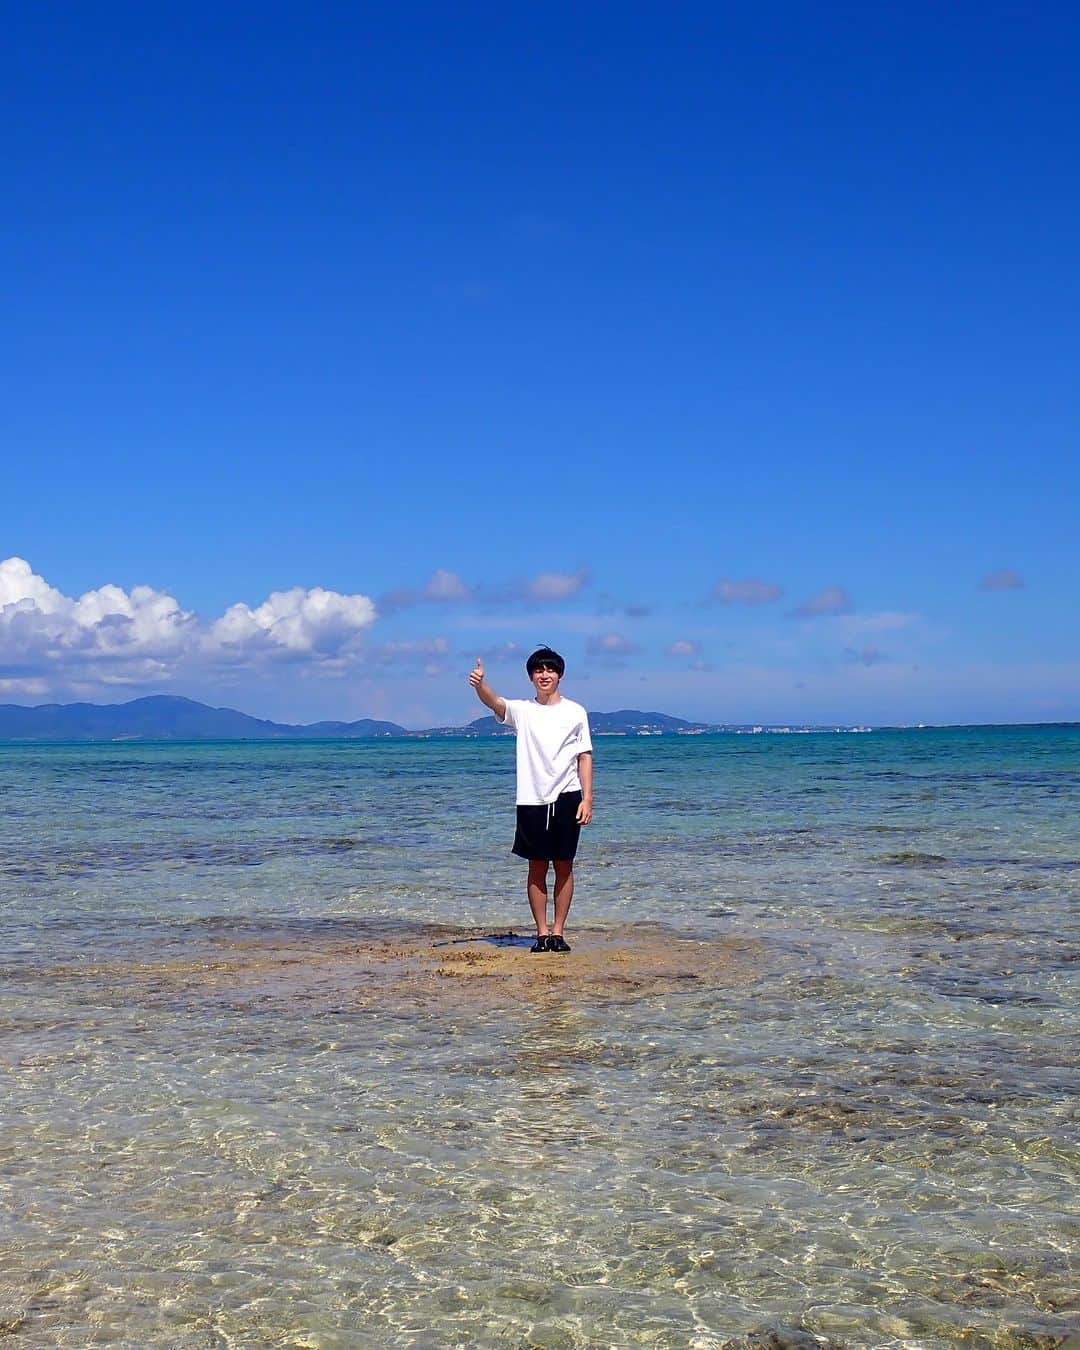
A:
x: 484, y: 692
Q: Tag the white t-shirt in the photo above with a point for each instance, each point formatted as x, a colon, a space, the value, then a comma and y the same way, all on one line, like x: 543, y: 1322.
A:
x: 550, y: 736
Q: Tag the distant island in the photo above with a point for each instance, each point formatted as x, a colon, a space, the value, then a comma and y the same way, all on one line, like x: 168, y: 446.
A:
x: 165, y: 717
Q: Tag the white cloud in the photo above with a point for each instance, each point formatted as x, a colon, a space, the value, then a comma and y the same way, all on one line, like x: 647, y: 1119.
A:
x: 748, y: 591
x: 1003, y: 580
x: 32, y: 687
x: 443, y: 585
x: 502, y: 653
x: 295, y: 622
x: 110, y: 636
x: 427, y: 652
x: 831, y: 600
x: 884, y: 621
x: 440, y: 587
x: 609, y: 646
x: 18, y: 583
x: 556, y: 585
x: 108, y: 628
x: 683, y: 647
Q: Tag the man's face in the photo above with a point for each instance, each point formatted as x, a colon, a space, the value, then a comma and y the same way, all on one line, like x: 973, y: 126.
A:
x: 545, y: 678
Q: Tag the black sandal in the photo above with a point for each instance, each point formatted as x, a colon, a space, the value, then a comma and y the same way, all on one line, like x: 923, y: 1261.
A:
x: 541, y: 943
x: 557, y: 943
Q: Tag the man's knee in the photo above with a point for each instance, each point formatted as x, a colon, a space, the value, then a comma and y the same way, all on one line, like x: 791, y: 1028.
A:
x: 563, y: 870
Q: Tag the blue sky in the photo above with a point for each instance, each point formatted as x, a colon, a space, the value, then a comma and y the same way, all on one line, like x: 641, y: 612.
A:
x: 731, y: 351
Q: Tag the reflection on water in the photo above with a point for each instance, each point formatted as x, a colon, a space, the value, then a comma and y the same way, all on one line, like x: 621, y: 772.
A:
x: 811, y: 1065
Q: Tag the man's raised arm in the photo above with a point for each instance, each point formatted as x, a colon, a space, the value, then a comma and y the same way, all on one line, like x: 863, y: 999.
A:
x: 484, y: 692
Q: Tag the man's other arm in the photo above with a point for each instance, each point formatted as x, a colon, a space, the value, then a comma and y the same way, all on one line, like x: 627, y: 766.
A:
x: 584, y: 769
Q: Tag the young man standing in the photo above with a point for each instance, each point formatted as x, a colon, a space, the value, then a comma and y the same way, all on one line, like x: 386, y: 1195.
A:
x: 554, y: 785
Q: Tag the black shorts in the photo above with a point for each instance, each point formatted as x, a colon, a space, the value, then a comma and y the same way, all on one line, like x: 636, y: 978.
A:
x: 548, y: 833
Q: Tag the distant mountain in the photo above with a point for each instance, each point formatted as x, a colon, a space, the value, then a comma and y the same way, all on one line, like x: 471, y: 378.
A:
x: 630, y: 720
x: 168, y: 718
x: 165, y: 717
x: 359, y: 730
x: 626, y: 722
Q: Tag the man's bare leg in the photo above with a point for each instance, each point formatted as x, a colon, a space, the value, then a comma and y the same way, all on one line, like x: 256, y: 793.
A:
x: 564, y: 893
x: 538, y: 897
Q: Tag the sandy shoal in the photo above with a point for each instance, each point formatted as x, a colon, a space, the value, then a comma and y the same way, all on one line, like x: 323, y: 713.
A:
x: 435, y: 965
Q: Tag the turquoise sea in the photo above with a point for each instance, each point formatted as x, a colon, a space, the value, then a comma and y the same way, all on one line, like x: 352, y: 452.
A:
x: 236, y: 1112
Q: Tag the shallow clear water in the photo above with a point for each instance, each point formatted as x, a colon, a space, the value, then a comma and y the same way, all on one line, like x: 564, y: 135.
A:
x: 869, y: 1134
